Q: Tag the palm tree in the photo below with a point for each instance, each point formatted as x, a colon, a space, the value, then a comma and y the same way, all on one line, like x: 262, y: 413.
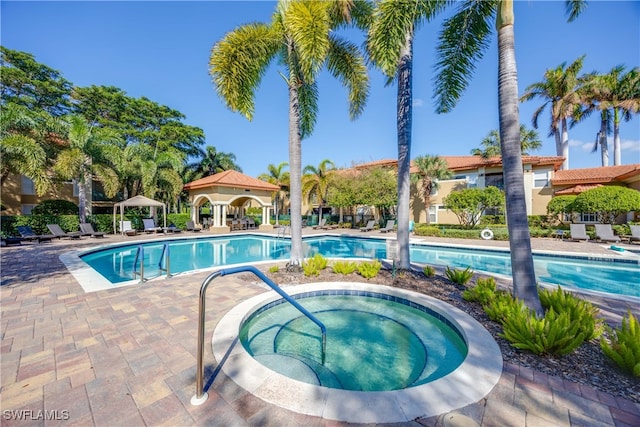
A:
x: 87, y: 155
x: 560, y: 89
x: 431, y: 169
x: 21, y: 150
x: 390, y: 45
x: 301, y: 35
x: 462, y: 42
x: 212, y: 161
x: 529, y: 140
x: 316, y: 182
x: 277, y: 176
x: 617, y: 96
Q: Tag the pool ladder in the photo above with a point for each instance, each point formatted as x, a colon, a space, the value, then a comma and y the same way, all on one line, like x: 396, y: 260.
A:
x: 283, y: 231
x: 201, y: 396
x: 140, y: 257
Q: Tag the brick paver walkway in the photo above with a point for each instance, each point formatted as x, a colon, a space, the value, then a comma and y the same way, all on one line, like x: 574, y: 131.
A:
x: 126, y: 357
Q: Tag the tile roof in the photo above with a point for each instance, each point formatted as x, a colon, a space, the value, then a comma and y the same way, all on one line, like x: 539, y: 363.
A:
x: 471, y: 162
x: 601, y: 174
x: 231, y: 178
x: 576, y: 189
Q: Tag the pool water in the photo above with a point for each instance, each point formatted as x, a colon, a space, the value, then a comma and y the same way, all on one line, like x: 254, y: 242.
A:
x: 373, y: 343
x: 116, y: 264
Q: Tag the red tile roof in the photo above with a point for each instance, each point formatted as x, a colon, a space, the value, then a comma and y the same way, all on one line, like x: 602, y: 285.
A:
x: 577, y: 189
x: 601, y: 174
x: 231, y: 178
x: 456, y: 163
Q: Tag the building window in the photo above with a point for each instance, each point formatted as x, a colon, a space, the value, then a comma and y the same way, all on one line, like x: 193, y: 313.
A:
x: 26, y: 209
x: 494, y: 180
x: 472, y: 180
x: 433, y: 214
x: 540, y: 179
x: 588, y: 217
x: 27, y: 186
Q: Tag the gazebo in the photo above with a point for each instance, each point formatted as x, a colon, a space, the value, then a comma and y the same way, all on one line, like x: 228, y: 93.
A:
x: 139, y: 201
x: 228, y: 193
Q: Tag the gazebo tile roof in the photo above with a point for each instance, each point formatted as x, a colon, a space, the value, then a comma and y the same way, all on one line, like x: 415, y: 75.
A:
x: 231, y: 178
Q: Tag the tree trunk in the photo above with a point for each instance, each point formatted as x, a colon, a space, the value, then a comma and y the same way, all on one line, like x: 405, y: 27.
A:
x: 295, y: 173
x: 604, y: 146
x: 523, y: 273
x: 404, y: 148
x: 617, y: 155
x: 565, y: 145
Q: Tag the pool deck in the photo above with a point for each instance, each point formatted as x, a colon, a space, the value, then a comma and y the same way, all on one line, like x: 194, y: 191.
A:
x: 126, y: 356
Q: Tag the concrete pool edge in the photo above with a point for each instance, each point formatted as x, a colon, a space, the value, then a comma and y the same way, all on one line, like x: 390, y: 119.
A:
x: 470, y: 382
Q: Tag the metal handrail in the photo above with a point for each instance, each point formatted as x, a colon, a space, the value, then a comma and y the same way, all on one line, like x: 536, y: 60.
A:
x: 165, y: 250
x: 139, y: 255
x: 201, y: 396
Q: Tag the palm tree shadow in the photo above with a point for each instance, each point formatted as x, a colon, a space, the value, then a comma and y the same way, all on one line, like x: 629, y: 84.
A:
x: 218, y: 368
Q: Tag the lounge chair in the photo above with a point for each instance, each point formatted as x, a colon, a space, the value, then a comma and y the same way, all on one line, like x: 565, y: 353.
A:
x: 604, y: 232
x: 27, y: 233
x: 60, y: 233
x: 251, y: 224
x: 389, y: 227
x: 370, y: 225
x: 172, y: 229
x: 320, y: 224
x: 11, y: 240
x: 635, y: 233
x: 150, y: 226
x: 578, y: 232
x: 191, y: 226
x: 127, y: 229
x: 86, y: 229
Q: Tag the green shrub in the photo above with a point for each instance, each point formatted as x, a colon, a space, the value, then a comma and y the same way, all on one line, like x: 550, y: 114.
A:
x: 579, y: 310
x: 624, y: 345
x: 55, y: 207
x: 492, y: 220
x: 483, y: 292
x: 461, y: 277
x: 344, y: 267
x: 313, y: 265
x: 274, y: 269
x: 501, y: 306
x: 369, y: 269
x: 554, y: 334
x: 429, y: 271
x: 425, y: 230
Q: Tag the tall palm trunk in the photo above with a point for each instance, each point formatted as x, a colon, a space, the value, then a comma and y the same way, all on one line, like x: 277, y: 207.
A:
x: 565, y: 144
x: 602, y: 139
x: 404, y: 147
x: 295, y: 173
x: 617, y: 156
x: 524, y: 278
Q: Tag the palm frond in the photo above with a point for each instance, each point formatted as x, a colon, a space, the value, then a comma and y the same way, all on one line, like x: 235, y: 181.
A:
x: 238, y: 62
x: 462, y: 43
x: 308, y: 108
x: 574, y: 8
x: 345, y: 63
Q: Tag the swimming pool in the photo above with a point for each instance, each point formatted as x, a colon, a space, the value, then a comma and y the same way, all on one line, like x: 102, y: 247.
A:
x: 115, y: 264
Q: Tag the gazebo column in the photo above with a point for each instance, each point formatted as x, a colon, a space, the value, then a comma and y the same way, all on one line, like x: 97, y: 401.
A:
x: 219, y: 225
x: 266, y: 223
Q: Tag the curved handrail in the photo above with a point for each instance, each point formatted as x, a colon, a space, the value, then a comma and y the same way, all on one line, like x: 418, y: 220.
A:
x: 201, y: 396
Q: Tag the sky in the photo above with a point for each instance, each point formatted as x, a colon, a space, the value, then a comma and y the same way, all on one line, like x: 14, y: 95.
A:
x: 160, y: 50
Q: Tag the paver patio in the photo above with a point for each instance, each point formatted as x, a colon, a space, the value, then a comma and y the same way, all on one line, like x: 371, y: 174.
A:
x: 126, y: 356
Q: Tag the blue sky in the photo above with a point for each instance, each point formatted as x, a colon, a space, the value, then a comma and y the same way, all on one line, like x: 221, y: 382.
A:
x: 161, y: 49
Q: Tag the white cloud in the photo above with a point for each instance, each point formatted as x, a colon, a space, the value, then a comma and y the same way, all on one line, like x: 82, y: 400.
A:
x: 417, y: 102
x: 629, y: 145
x: 582, y: 145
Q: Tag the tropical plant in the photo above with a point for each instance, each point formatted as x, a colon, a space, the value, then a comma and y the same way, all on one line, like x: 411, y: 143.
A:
x: 607, y: 202
x: 623, y: 346
x: 429, y: 271
x: 560, y: 205
x: 315, y: 182
x: 578, y: 309
x: 617, y: 96
x: 461, y: 277
x: 463, y: 40
x: 212, y: 161
x: 277, y: 176
x: 302, y: 36
x: 88, y: 155
x: 313, y: 266
x: 344, y: 267
x: 369, y: 269
x: 431, y: 169
x: 561, y: 89
x: 529, y: 140
x: 483, y: 292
